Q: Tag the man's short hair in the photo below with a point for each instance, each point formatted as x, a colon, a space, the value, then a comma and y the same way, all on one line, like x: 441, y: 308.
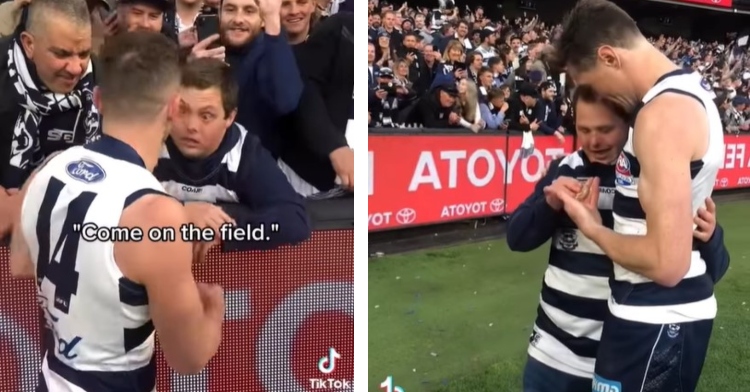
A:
x: 494, y: 93
x: 587, y: 94
x: 137, y: 71
x: 206, y: 73
x: 76, y: 11
x: 590, y: 25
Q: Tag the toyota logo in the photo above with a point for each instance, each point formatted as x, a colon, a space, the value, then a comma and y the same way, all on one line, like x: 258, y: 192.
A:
x: 724, y: 182
x: 497, y: 205
x: 406, y: 216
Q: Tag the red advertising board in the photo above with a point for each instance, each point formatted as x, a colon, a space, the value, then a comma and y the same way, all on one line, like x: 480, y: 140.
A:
x: 735, y: 172
x: 285, y: 310
x: 712, y: 3
x: 428, y: 179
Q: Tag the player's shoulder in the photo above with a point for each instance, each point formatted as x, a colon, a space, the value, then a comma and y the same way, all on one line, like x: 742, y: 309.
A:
x: 151, y: 207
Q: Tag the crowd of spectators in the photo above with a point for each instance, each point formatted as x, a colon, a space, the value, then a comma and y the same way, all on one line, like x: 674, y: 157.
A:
x: 452, y: 67
x: 267, y: 101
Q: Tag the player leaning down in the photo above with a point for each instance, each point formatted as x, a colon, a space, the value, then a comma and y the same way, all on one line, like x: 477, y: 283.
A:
x: 102, y: 299
x: 575, y: 288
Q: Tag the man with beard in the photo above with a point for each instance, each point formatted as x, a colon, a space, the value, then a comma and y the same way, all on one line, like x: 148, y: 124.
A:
x: 47, y: 83
x: 263, y: 63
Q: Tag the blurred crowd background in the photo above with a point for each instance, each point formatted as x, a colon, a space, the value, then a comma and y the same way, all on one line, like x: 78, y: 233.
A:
x: 483, y: 67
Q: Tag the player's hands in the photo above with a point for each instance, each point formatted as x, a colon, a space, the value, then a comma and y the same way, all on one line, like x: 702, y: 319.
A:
x: 705, y: 221
x: 200, y: 50
x: 582, y: 207
x: 342, y: 160
x: 562, y: 185
x: 212, y: 297
x: 203, y: 214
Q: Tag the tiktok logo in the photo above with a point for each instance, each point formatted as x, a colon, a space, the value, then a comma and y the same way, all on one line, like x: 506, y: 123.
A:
x: 328, y: 363
x: 387, y: 385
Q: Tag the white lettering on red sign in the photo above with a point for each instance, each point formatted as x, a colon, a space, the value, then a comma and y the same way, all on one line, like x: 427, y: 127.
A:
x: 379, y: 218
x: 426, y: 172
x: 371, y: 179
x: 462, y: 209
x: 734, y: 156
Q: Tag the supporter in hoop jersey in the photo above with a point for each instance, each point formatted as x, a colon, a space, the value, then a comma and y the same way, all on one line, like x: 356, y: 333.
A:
x: 210, y: 159
x: 575, y: 289
x: 103, y: 298
x: 662, y: 304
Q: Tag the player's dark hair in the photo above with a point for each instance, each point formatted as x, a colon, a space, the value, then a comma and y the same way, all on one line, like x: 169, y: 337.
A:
x: 206, y: 73
x: 588, y: 26
x: 137, y: 72
x: 585, y: 93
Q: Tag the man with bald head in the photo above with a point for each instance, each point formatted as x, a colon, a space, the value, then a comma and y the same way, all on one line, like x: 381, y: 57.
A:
x: 47, y: 81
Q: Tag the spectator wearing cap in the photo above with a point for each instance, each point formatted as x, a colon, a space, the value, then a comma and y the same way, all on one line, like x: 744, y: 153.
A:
x: 552, y: 121
x: 526, y: 111
x: 735, y: 117
x: 383, y: 49
x: 493, y: 112
x: 436, y: 108
x: 383, y: 101
x: 486, y: 48
x: 407, y: 25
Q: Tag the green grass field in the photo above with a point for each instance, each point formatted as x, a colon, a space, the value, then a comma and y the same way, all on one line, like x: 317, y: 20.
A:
x: 458, y: 319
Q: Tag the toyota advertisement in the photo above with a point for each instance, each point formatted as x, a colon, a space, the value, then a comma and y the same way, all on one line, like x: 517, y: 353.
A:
x: 427, y: 179
x: 431, y: 179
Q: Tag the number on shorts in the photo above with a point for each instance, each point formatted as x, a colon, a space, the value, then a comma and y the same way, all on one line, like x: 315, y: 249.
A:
x: 59, y: 267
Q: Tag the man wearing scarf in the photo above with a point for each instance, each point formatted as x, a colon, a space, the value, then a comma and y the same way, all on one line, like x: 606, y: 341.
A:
x: 47, y: 82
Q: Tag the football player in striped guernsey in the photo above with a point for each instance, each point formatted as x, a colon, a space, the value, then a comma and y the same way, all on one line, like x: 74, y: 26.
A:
x: 575, y: 288
x: 662, y: 301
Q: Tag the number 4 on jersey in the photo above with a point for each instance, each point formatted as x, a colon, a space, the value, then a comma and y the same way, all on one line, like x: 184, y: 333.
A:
x: 59, y: 268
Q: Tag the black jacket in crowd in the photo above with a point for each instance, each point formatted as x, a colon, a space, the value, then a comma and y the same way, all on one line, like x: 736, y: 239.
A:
x: 56, y: 133
x: 318, y: 126
x: 513, y: 115
x: 428, y: 112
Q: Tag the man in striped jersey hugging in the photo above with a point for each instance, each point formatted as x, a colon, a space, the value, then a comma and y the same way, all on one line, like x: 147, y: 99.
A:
x: 575, y: 289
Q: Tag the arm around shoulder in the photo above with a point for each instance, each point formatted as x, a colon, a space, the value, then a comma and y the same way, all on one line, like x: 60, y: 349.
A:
x: 189, y: 328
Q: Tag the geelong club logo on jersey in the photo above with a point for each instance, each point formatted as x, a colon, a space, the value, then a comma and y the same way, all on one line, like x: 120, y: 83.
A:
x: 622, y: 171
x: 86, y: 170
x: 568, y: 240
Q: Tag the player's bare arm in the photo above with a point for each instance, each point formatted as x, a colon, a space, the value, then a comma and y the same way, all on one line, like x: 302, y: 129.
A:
x: 187, y: 319
x: 670, y: 131
x: 21, y: 265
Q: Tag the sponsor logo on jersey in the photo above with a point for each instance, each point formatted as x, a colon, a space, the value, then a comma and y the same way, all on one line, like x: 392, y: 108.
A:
x: 706, y: 85
x: 673, y: 330
x: 622, y: 171
x: 601, y: 384
x: 86, y: 170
